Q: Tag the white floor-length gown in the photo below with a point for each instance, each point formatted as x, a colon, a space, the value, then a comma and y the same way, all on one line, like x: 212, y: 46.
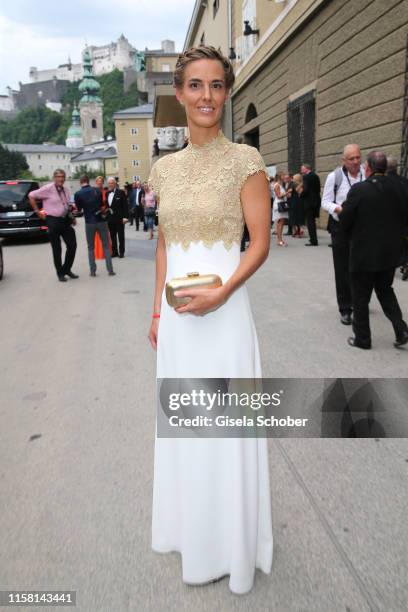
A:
x: 211, y: 496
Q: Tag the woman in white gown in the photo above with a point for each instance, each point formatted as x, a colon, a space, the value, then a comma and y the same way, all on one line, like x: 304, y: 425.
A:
x: 211, y: 496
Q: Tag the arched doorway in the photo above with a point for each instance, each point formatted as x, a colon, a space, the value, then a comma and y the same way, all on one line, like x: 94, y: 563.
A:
x: 252, y: 136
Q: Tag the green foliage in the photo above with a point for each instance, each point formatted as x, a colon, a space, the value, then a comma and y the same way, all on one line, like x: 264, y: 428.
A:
x: 38, y: 125
x: 12, y: 164
x: 32, y: 125
x: 114, y: 98
x: 85, y: 170
x: 27, y: 175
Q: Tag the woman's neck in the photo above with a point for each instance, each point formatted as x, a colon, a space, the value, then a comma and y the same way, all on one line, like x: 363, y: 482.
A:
x: 200, y: 135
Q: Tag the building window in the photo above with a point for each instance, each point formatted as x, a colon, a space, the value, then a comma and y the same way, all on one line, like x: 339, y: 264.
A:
x: 135, y: 162
x: 135, y: 147
x: 301, y: 115
x: 39, y: 156
x: 57, y: 156
x: 216, y: 6
x: 136, y: 177
x: 245, y: 44
x: 134, y: 131
x: 93, y: 123
x: 165, y: 67
x: 39, y: 166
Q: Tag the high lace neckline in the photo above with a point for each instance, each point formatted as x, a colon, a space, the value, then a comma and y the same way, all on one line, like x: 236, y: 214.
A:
x: 211, y: 144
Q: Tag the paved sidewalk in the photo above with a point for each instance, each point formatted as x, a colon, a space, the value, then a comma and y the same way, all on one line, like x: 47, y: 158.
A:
x: 78, y: 374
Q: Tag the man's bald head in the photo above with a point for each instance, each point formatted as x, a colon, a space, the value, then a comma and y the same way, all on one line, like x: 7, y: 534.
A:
x: 352, y: 158
x: 376, y: 162
x: 392, y: 165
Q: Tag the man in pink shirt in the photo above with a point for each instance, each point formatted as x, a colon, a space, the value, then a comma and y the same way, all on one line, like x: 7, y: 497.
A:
x: 56, y: 211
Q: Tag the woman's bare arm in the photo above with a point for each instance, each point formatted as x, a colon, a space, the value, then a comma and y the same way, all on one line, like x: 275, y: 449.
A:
x: 161, y: 269
x: 256, y: 206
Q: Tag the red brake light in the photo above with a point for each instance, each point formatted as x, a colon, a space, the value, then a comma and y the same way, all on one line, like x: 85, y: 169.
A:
x: 11, y: 182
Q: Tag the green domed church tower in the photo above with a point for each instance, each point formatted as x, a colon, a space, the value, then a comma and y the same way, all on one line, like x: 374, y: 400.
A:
x: 74, y: 134
x: 90, y: 104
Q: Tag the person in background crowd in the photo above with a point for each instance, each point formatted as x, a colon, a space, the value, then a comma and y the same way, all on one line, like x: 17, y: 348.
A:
x: 336, y: 188
x: 56, y: 212
x: 99, y: 184
x: 374, y: 217
x: 288, y: 186
x: 297, y: 211
x: 311, y: 201
x: 272, y: 182
x: 278, y: 216
x: 127, y: 188
x: 245, y: 238
x: 117, y: 202
x: 135, y: 200
x: 150, y: 203
x: 392, y: 171
x: 89, y: 199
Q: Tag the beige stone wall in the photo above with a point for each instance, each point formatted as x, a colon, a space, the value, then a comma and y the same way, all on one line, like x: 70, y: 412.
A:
x: 90, y: 112
x: 215, y: 29
x: 276, y: 23
x: 126, y: 155
x: 111, y: 166
x: 155, y: 63
x: 353, y: 54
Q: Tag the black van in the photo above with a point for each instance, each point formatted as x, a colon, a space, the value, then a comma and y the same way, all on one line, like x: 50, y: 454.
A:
x: 16, y: 214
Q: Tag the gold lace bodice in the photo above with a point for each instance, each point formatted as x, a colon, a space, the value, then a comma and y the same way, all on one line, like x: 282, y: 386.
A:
x: 199, y: 191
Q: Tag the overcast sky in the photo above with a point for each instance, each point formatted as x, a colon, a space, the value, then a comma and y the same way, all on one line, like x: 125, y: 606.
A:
x: 44, y: 34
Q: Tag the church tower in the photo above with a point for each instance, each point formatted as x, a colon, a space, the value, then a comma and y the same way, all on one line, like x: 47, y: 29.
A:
x: 74, y: 134
x: 90, y: 104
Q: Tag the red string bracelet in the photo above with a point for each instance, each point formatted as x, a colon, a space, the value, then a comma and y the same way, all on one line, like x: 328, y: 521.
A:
x: 156, y: 315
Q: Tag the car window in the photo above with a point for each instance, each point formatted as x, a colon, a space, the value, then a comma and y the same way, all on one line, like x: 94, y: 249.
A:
x: 14, y: 192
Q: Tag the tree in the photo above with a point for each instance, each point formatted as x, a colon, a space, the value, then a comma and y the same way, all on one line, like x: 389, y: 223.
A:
x: 83, y: 169
x: 31, y: 126
x: 12, y: 164
x: 40, y: 124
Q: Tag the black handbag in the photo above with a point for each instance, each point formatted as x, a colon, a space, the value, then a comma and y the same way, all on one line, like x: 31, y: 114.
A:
x: 283, y: 206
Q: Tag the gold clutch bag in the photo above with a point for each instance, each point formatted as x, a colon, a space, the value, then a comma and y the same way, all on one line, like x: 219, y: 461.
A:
x: 193, y: 280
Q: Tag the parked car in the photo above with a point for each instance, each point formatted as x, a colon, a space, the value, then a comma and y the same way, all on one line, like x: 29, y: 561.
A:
x: 1, y: 263
x: 16, y: 214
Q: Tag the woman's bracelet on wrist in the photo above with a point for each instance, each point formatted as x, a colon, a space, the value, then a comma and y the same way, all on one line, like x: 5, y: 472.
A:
x: 156, y: 315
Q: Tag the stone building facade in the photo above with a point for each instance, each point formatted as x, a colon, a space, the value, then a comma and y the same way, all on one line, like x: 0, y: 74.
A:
x: 134, y: 135
x: 319, y: 75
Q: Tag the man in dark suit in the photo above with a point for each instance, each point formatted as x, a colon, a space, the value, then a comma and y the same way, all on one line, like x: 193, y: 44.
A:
x: 392, y: 171
x: 117, y: 202
x: 135, y: 202
x: 311, y: 201
x: 374, y: 217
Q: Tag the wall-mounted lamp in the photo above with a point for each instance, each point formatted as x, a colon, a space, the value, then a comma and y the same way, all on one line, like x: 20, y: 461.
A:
x: 248, y: 31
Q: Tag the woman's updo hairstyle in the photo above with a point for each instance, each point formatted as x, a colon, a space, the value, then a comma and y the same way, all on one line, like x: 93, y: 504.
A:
x: 198, y: 53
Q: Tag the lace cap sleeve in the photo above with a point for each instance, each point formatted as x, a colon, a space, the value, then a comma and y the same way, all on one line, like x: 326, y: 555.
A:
x: 154, y: 179
x: 253, y: 163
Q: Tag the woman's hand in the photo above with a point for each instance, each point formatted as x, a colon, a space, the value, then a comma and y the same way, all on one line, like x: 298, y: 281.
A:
x: 153, y: 333
x: 203, y: 300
